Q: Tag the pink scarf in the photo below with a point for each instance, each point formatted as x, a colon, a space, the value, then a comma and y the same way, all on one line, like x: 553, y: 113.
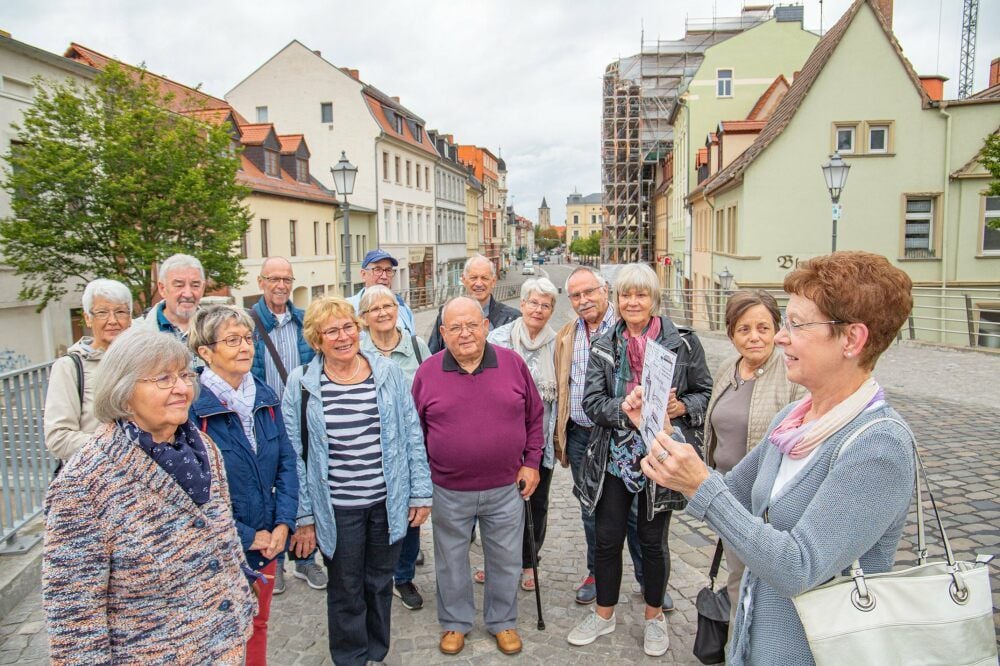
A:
x: 797, y: 439
x: 635, y: 351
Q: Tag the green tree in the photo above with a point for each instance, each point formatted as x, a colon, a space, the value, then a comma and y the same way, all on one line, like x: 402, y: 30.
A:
x: 588, y: 247
x: 991, y: 160
x: 546, y: 239
x: 105, y: 181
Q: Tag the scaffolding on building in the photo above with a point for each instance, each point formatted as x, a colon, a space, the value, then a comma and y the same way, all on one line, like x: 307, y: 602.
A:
x: 639, y: 95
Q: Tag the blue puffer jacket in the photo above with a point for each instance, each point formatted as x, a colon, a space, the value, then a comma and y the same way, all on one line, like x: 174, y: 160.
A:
x: 404, y: 458
x: 260, y: 352
x: 264, y: 487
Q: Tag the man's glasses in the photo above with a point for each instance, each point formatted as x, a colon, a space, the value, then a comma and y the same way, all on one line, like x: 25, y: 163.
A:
x: 104, y: 315
x: 346, y: 329
x: 458, y: 329
x: 234, y: 340
x: 378, y: 270
x: 168, y: 381
x: 273, y: 279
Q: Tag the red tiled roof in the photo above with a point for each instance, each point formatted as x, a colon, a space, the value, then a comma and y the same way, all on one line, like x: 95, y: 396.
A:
x: 701, y: 158
x: 254, y: 134
x: 987, y: 93
x: 780, y: 83
x: 786, y: 110
x: 968, y: 166
x: 285, y: 186
x: 216, y: 117
x: 290, y: 143
x: 742, y: 126
x: 375, y: 104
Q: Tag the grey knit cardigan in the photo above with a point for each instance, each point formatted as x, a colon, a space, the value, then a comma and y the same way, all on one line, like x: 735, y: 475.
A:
x: 821, y: 521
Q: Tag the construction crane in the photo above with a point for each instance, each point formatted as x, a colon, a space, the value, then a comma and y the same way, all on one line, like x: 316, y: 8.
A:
x: 967, y: 62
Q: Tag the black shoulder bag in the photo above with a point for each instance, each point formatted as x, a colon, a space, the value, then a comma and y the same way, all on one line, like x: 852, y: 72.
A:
x: 271, y: 349
x: 713, y: 617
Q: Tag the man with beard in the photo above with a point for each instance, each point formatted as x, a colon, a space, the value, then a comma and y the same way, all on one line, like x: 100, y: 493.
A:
x: 181, y: 284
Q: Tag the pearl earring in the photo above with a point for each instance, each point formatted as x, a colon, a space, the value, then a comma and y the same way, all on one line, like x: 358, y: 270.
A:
x: 848, y: 354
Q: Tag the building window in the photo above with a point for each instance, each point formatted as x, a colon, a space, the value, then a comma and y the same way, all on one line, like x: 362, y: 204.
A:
x: 398, y: 181
x: 399, y: 224
x: 419, y: 135
x: 418, y: 176
x: 264, y: 245
x: 385, y: 165
x: 844, y: 138
x: 409, y: 173
x: 917, y: 235
x: 245, y: 245
x: 878, y: 138
x: 326, y: 112
x: 731, y: 230
x: 409, y: 225
x: 302, y: 170
x: 720, y: 232
x: 724, y: 83
x: 593, y: 219
x: 427, y: 178
x: 385, y: 222
x: 399, y: 123
x: 991, y: 237
x: 262, y: 114
x: 328, y: 234
x: 271, y: 163
x: 292, y: 244
x: 315, y: 238
x: 576, y: 219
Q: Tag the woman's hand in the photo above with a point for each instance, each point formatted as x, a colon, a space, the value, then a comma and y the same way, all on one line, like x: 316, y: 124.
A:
x: 674, y: 465
x: 418, y: 514
x: 261, y: 540
x: 675, y: 408
x: 303, y: 541
x: 278, y: 538
x: 632, y: 406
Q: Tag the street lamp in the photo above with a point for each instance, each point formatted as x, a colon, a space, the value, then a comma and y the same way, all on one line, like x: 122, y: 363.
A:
x: 344, y: 174
x: 726, y: 280
x: 835, y: 174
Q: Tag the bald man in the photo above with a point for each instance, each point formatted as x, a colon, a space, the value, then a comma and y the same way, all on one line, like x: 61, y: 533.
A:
x: 479, y: 276
x: 482, y: 421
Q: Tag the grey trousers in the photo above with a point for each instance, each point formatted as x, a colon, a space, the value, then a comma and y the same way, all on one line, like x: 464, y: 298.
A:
x: 500, y: 514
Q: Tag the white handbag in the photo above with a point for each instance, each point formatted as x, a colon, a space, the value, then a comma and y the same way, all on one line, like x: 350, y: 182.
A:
x: 933, y: 613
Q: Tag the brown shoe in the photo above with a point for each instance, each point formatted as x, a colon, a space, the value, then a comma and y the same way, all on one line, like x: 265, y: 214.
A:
x: 452, y: 642
x: 508, y: 641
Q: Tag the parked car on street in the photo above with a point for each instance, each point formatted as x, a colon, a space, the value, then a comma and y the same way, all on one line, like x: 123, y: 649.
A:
x: 528, y: 268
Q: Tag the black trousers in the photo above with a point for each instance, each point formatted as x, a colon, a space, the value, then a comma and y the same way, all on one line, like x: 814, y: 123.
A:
x: 612, y: 520
x: 539, y: 501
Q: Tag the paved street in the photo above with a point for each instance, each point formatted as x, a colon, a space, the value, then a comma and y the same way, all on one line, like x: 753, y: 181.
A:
x: 949, y: 398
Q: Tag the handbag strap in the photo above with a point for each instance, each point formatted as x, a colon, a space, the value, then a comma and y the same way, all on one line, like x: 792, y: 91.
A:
x: 271, y: 349
x: 716, y: 561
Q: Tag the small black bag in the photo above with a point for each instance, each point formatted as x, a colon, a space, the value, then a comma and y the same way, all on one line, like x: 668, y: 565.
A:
x: 713, y: 617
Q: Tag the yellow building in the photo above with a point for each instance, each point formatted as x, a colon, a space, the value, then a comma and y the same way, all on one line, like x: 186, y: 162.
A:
x: 473, y: 215
x: 584, y: 215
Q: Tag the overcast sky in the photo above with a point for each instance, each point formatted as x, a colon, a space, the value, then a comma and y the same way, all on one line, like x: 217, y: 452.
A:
x: 521, y: 76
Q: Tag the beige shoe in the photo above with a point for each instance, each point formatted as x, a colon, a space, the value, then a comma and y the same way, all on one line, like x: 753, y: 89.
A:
x: 508, y: 641
x: 452, y: 642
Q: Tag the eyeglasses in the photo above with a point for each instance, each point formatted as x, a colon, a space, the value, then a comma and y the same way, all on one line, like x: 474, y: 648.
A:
x: 378, y: 270
x: 334, y: 333
x: 792, y: 327
x: 458, y: 329
x: 168, y: 381
x: 388, y: 307
x: 584, y: 293
x: 104, y: 315
x: 274, y: 279
x: 535, y: 305
x: 234, y: 340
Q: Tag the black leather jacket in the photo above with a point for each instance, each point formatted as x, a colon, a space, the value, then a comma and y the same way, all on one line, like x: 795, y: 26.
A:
x: 694, y: 387
x: 500, y: 314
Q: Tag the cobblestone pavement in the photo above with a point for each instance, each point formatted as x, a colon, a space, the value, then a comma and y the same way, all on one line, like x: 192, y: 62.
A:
x: 949, y: 398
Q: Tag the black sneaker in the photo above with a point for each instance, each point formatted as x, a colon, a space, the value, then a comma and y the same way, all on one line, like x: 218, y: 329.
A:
x: 409, y: 595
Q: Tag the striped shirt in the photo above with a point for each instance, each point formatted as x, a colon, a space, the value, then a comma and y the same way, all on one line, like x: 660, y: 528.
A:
x: 353, y: 431
x: 581, y: 358
x: 285, y: 336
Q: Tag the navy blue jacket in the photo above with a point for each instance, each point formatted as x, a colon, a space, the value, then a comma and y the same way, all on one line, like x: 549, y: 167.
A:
x: 260, y: 352
x: 264, y: 488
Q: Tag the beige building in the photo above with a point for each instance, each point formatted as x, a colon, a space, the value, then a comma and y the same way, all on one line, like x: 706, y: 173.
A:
x: 584, y: 216
x: 474, y: 199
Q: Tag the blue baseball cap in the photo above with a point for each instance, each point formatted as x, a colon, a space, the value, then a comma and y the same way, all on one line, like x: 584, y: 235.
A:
x: 378, y: 255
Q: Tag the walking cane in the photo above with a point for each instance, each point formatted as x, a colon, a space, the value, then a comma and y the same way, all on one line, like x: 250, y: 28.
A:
x: 534, y: 556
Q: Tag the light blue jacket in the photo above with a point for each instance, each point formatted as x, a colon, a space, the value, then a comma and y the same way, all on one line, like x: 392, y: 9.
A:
x: 404, y: 457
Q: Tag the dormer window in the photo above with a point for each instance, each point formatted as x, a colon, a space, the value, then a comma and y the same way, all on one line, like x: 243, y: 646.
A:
x: 399, y: 123
x: 271, y: 163
x: 419, y: 134
x: 302, y: 170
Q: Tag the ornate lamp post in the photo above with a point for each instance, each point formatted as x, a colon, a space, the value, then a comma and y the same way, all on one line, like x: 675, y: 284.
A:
x: 835, y: 174
x: 344, y: 174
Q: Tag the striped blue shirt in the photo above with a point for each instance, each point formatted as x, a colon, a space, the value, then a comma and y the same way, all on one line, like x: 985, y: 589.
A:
x: 581, y: 358
x: 353, y: 433
x: 285, y: 336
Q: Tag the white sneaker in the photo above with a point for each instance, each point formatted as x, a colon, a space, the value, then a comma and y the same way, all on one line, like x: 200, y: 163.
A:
x: 656, y: 642
x: 592, y: 626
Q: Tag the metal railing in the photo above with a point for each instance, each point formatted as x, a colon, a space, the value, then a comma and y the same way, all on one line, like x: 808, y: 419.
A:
x: 419, y: 299
x: 25, y: 466
x: 951, y: 316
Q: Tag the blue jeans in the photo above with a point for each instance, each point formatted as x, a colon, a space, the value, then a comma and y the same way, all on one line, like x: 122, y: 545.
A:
x: 406, y: 567
x: 359, y: 594
x: 576, y: 447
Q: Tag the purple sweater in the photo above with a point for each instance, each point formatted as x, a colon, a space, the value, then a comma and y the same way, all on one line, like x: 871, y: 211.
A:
x: 480, y: 428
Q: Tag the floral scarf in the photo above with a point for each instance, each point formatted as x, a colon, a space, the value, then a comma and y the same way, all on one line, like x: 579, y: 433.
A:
x: 625, y: 455
x: 185, y: 459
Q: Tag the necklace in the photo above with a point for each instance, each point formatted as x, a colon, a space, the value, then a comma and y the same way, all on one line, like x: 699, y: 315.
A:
x: 393, y: 347
x: 343, y: 380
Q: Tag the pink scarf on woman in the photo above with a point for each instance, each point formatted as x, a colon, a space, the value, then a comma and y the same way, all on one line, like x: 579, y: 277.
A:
x: 635, y: 351
x: 797, y: 439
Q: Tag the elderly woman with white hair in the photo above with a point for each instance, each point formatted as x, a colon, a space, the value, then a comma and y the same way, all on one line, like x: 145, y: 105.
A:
x: 535, y: 341
x: 69, y: 401
x: 142, y: 562
x: 612, y: 478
